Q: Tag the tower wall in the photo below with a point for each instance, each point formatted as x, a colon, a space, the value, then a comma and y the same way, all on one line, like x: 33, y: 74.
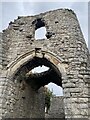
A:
x: 65, y: 40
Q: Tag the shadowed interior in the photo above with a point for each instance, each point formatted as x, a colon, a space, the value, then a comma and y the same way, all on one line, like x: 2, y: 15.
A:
x: 37, y: 80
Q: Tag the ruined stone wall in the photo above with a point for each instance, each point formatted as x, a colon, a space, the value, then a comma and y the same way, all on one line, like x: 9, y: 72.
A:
x: 20, y: 100
x: 65, y: 40
x: 62, y: 24
x: 56, y: 108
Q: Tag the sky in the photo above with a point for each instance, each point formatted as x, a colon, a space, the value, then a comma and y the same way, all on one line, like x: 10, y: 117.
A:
x: 10, y: 10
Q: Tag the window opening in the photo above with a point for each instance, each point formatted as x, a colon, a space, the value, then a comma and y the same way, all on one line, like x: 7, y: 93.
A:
x: 40, y: 33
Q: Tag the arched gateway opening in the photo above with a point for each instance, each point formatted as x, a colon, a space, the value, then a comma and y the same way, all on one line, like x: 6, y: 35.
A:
x: 30, y: 86
x: 37, y: 80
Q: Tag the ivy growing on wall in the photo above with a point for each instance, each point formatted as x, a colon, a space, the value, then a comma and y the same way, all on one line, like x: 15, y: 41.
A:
x: 48, y: 95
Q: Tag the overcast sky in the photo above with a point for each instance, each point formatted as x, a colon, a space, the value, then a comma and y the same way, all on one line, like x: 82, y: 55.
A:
x: 11, y: 10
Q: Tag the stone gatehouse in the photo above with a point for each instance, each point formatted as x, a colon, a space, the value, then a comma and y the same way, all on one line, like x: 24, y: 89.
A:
x: 64, y: 51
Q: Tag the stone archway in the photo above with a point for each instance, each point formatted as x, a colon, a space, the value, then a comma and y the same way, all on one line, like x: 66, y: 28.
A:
x: 28, y: 88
